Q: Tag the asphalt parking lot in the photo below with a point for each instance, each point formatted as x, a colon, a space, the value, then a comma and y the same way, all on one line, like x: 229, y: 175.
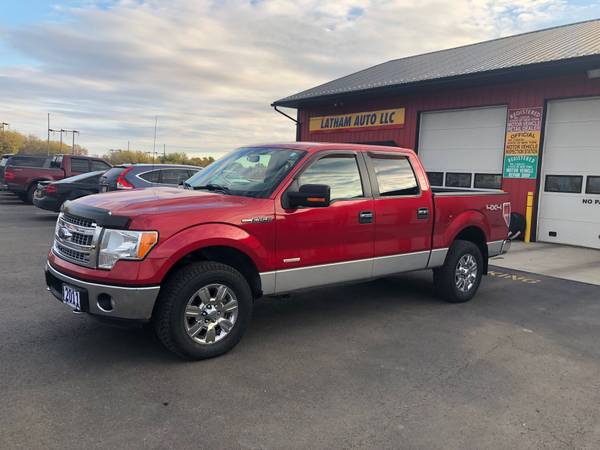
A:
x: 375, y: 365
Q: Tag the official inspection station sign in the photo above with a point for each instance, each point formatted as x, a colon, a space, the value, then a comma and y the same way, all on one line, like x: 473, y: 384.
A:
x: 522, y: 144
x: 387, y: 118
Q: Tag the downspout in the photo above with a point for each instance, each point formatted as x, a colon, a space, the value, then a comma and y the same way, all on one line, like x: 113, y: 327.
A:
x: 296, y: 121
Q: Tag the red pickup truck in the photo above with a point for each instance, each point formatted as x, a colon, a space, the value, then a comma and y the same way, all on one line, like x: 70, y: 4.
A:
x: 267, y: 220
x: 22, y: 172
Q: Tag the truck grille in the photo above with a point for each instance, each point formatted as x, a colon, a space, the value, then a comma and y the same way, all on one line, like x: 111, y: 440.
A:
x: 71, y: 254
x: 79, y: 221
x: 76, y: 239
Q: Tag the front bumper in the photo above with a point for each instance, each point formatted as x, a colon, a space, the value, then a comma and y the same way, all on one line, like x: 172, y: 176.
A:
x: 118, y: 302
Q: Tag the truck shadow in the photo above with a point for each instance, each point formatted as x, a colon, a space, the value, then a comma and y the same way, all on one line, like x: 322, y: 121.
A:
x: 275, y: 318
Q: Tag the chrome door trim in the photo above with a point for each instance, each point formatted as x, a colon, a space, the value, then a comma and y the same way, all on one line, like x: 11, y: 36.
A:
x: 286, y: 280
x: 404, y: 262
x: 437, y: 257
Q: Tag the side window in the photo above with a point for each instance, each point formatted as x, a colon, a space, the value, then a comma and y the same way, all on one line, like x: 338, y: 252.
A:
x: 174, y: 176
x: 460, y: 180
x: 394, y: 176
x: 563, y: 183
x: 99, y: 165
x: 340, y: 173
x: 56, y: 162
x: 79, y: 165
x: 151, y: 177
x: 593, y: 185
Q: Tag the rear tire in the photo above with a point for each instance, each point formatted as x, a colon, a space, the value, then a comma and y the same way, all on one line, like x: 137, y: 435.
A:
x: 458, y: 279
x: 203, y: 310
x: 28, y: 196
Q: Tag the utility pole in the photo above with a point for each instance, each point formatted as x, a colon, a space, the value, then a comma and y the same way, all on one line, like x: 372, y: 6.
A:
x: 164, y: 153
x: 73, y: 147
x: 154, y: 143
x: 61, y: 131
x: 127, y: 145
x: 48, y: 134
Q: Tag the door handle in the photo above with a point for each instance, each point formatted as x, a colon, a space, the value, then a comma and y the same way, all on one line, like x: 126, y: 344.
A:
x: 422, y: 213
x: 365, y: 217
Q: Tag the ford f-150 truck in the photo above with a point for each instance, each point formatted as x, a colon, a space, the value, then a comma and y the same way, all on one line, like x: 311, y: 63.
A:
x: 22, y: 177
x: 267, y: 220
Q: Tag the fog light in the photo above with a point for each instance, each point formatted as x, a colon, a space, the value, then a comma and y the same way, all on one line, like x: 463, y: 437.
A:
x: 105, y: 302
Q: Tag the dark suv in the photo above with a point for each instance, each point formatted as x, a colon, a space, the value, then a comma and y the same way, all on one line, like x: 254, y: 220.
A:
x: 135, y: 176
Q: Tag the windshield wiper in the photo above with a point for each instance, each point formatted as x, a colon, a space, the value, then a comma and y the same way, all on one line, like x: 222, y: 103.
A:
x: 213, y: 187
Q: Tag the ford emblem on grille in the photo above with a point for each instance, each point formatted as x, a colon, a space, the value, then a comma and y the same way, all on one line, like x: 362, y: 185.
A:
x: 64, y: 233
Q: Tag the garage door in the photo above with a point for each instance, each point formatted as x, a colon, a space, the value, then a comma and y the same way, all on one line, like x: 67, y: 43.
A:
x: 463, y: 148
x: 569, y: 211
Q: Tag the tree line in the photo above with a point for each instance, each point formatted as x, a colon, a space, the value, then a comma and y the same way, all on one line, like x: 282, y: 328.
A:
x: 13, y: 142
x: 135, y: 156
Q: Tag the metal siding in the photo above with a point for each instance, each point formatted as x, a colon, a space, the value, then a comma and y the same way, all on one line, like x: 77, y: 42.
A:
x: 558, y: 44
x: 531, y: 93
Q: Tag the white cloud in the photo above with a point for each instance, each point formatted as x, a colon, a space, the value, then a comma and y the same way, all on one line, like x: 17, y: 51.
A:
x: 210, y: 69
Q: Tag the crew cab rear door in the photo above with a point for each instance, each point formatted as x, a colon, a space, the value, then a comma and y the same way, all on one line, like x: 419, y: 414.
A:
x: 324, y: 245
x: 403, y: 212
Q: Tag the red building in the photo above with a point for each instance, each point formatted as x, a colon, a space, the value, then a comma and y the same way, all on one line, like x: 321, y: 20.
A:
x: 520, y: 113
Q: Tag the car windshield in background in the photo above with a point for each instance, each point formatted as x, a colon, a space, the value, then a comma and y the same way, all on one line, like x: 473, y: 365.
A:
x: 249, y: 172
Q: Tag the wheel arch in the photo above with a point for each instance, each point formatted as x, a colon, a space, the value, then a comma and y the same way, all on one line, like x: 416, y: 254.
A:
x: 224, y: 254
x: 477, y: 236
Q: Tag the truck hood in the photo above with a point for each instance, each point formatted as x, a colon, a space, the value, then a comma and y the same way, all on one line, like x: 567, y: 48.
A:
x: 161, y: 200
x: 167, y: 210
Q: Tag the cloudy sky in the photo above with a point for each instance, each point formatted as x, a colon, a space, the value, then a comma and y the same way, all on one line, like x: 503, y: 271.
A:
x: 210, y: 69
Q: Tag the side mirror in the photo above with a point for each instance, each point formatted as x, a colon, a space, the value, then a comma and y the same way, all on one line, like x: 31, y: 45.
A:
x: 311, y: 195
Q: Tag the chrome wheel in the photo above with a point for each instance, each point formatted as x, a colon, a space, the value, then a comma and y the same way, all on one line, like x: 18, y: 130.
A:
x: 210, y: 313
x: 465, y: 275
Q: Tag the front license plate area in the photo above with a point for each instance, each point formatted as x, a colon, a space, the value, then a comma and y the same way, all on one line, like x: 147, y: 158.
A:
x: 72, y: 297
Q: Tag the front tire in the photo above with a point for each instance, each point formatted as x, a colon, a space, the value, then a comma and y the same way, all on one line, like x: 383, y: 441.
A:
x: 203, y: 310
x: 458, y: 279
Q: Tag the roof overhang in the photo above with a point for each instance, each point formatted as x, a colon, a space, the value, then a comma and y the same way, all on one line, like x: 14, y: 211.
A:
x: 526, y: 72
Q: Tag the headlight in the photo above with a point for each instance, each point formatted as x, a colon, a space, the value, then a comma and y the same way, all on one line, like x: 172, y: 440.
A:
x: 124, y: 244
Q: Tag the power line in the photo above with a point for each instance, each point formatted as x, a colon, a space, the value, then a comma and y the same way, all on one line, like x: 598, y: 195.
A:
x: 61, y: 131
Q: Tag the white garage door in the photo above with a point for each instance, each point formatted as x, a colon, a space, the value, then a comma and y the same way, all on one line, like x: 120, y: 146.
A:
x: 463, y: 148
x: 569, y: 210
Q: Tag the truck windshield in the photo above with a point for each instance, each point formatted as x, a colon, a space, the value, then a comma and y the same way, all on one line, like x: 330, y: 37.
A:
x: 248, y: 171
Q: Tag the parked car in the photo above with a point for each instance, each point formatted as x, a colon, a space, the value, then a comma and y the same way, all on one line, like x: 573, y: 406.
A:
x: 22, y: 174
x: 265, y: 221
x: 51, y: 195
x: 136, y: 176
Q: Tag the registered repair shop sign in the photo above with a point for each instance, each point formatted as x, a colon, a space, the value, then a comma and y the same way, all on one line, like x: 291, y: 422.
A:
x: 387, y: 118
x: 522, y: 143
